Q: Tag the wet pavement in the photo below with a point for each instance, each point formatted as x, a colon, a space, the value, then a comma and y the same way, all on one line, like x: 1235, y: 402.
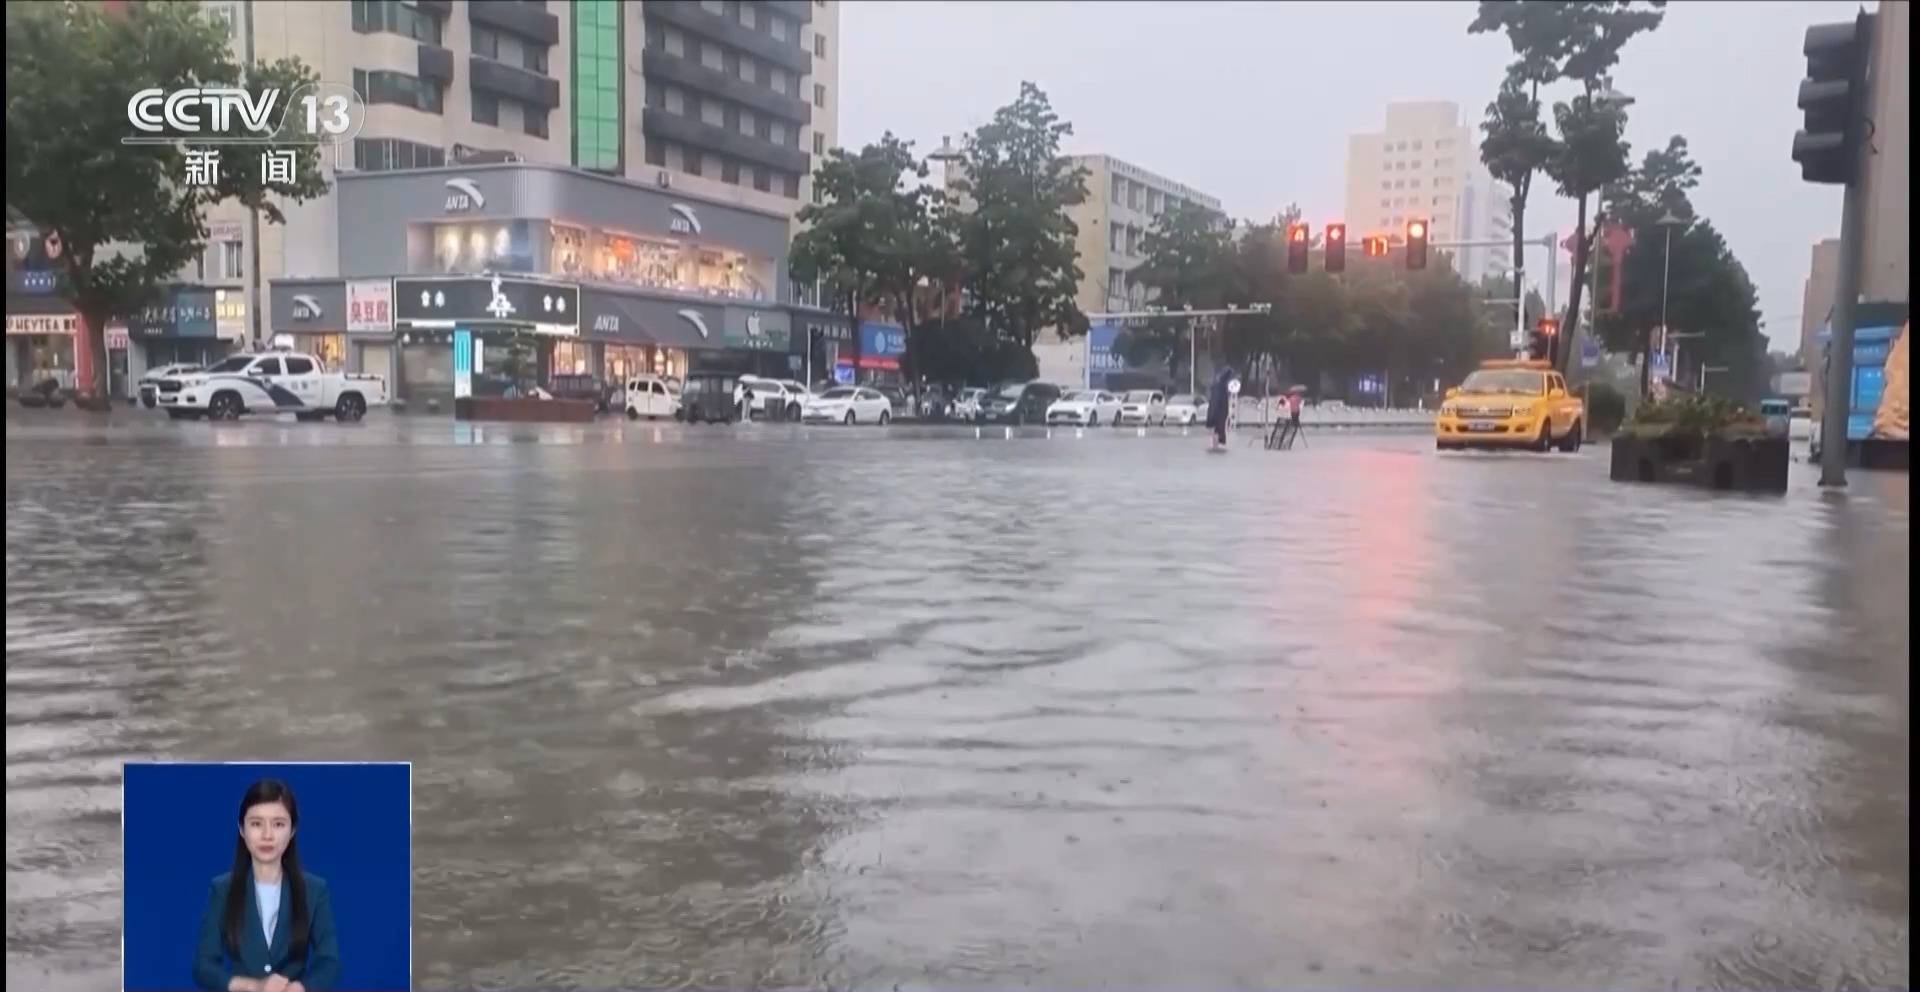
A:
x: 874, y: 708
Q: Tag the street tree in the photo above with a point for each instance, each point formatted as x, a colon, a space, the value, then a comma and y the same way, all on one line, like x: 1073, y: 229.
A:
x: 126, y: 219
x: 1016, y: 239
x: 878, y: 233
x: 1188, y: 265
x: 1554, y: 41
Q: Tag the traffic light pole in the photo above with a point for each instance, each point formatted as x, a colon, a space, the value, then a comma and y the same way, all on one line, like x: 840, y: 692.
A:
x: 1839, y: 392
x: 1519, y: 291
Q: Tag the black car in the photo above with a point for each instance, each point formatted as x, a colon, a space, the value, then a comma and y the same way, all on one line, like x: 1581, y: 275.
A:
x: 708, y: 397
x: 1018, y: 403
x: 582, y: 387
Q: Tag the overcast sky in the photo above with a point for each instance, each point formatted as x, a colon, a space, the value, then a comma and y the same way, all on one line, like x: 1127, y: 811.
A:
x: 1253, y: 102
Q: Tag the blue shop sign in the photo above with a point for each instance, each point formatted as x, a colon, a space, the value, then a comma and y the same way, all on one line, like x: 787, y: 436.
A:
x: 185, y: 313
x: 882, y: 340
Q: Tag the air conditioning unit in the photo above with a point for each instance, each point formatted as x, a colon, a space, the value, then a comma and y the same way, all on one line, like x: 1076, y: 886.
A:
x: 664, y: 178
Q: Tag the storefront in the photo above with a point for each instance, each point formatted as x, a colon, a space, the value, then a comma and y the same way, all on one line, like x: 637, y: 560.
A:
x: 882, y: 346
x: 40, y: 347
x: 648, y: 334
x: 310, y: 316
x: 184, y: 327
x: 521, y: 328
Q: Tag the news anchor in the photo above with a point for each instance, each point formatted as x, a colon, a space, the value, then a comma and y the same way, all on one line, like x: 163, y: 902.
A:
x: 268, y: 926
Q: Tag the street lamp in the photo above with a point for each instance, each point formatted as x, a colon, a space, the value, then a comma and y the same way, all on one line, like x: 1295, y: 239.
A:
x: 1669, y: 221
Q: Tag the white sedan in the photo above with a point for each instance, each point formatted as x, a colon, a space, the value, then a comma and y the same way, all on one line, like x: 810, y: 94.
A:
x: 1085, y: 407
x: 850, y: 405
x: 1144, y: 406
x: 1187, y: 409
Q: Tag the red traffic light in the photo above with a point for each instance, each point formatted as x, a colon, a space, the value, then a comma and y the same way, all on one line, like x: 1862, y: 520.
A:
x: 1373, y: 247
x: 1549, y: 326
x: 1416, y: 244
x: 1298, y: 241
x: 1336, y: 247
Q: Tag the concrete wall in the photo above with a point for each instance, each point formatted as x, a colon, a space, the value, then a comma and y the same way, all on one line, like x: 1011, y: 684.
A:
x: 1884, y: 277
x: 1817, y: 298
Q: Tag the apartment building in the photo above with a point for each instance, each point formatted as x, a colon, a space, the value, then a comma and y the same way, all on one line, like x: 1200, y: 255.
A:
x: 1425, y: 163
x: 1122, y: 202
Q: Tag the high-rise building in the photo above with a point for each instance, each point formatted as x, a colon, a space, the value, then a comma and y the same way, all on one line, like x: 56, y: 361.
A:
x: 1122, y: 202
x: 652, y: 154
x: 1426, y: 163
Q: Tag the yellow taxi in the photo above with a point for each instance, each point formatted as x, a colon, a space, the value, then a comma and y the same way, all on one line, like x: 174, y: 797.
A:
x: 1510, y: 403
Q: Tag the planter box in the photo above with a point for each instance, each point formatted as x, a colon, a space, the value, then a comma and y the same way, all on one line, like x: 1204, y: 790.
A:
x: 525, y: 410
x: 1758, y: 465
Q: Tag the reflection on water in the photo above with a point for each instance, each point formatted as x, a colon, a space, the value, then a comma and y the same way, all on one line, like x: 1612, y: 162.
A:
x: 765, y: 706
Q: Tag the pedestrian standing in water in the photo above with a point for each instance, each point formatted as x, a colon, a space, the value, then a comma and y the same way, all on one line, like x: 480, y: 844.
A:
x: 1219, y: 397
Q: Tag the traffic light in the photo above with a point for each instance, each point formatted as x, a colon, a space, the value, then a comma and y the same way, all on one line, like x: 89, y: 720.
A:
x: 1298, y: 241
x: 1540, y: 345
x: 1416, y: 244
x: 1373, y: 247
x: 1834, y: 96
x: 1336, y: 247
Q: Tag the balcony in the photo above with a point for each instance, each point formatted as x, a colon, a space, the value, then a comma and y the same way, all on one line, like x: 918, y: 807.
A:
x: 436, y: 63
x: 699, y: 134
x: 522, y: 19
x: 513, y: 82
x: 659, y: 64
x: 692, y: 17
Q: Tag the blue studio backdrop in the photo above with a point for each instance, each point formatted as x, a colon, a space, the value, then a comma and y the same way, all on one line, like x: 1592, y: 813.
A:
x: 180, y: 821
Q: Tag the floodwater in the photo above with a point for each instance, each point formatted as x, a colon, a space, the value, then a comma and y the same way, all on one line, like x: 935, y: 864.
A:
x: 764, y: 706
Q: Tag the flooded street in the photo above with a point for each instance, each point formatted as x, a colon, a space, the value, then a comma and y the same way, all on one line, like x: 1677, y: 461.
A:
x: 874, y: 709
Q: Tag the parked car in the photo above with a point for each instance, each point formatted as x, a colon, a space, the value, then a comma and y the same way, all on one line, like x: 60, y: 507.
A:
x: 710, y: 398
x: 582, y: 387
x: 1144, y: 406
x: 1187, y: 409
x: 652, y: 397
x: 774, y: 399
x: 1018, y: 403
x: 270, y: 382
x: 966, y: 404
x: 150, y: 381
x: 1085, y: 407
x: 850, y: 405
x: 897, y: 399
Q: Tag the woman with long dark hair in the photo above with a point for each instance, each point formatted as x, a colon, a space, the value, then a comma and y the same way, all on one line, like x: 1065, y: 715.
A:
x: 268, y: 926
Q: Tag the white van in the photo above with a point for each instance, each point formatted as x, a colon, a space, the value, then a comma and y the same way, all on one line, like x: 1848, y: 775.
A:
x: 652, y: 397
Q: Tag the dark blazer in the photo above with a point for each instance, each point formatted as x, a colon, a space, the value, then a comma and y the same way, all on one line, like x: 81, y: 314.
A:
x: 213, y: 967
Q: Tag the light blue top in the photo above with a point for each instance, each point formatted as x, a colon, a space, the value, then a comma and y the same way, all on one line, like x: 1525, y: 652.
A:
x: 266, y: 895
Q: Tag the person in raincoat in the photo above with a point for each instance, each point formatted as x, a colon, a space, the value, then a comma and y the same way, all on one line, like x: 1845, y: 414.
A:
x: 1219, y: 398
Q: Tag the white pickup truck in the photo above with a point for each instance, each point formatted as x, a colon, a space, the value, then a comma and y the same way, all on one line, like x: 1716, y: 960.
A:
x: 270, y: 382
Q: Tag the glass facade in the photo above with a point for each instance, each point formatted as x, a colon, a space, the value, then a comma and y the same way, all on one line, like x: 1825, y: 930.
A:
x: 596, y: 85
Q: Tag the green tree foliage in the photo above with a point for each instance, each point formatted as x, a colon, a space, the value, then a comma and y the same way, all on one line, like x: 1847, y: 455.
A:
x: 126, y: 219
x: 1017, y: 248
x: 878, y: 230
x: 1189, y: 251
x: 1552, y: 41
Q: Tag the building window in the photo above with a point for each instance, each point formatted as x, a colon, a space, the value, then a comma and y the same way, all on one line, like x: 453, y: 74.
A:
x: 486, y: 43
x: 818, y: 197
x: 1119, y: 190
x: 1113, y: 237
x: 534, y: 58
x: 819, y: 143
x: 223, y: 16
x: 790, y: 186
x: 819, y: 46
x: 777, y: 133
x: 730, y: 62
x: 1416, y: 146
x: 656, y: 95
x: 676, y: 43
x: 536, y: 120
x: 779, y: 28
x: 656, y: 36
x: 1116, y: 283
x: 730, y: 171
x: 676, y: 101
x: 713, y: 112
x: 749, y: 70
x: 230, y: 260
x: 713, y: 7
x: 486, y: 108
x: 749, y: 15
x: 1133, y: 195
x: 692, y: 161
x: 713, y: 56
x: 597, y: 82
x: 744, y: 122
x: 386, y: 154
x: 1413, y: 183
x: 400, y: 89
x: 761, y: 181
x: 782, y: 83
x: 819, y: 94
x: 393, y: 17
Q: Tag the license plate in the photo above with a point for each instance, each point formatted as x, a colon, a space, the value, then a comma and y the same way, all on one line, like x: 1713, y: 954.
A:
x: 1483, y: 427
